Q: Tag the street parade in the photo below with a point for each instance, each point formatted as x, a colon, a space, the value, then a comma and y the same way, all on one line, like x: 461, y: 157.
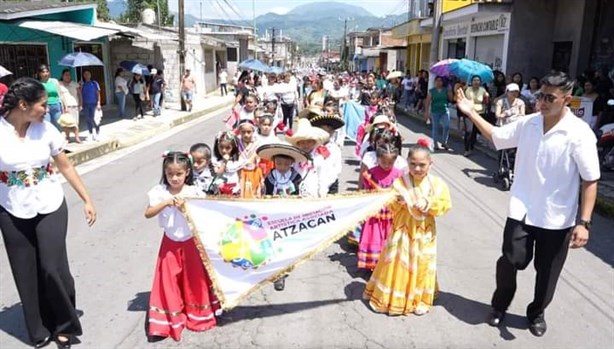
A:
x: 341, y: 200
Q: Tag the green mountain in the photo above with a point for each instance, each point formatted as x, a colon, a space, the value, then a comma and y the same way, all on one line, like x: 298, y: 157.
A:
x: 306, y: 24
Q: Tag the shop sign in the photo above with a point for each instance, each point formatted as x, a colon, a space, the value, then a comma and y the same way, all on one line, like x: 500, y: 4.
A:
x: 458, y: 30
x: 491, y: 25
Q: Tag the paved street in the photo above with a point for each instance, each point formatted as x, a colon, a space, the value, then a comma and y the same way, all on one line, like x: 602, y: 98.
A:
x: 321, y: 306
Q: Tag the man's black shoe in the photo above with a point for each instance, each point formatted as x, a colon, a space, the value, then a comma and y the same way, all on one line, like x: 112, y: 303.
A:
x: 538, y: 326
x: 495, y: 318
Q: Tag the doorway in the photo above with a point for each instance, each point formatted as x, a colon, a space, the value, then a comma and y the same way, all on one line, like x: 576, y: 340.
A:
x: 98, y: 73
x: 561, y: 56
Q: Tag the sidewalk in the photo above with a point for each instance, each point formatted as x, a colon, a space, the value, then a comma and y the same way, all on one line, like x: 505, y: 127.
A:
x: 116, y: 133
x: 605, y: 196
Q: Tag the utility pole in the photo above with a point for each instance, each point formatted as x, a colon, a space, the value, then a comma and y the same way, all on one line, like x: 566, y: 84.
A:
x: 273, y: 46
x: 254, y: 18
x: 436, y: 35
x: 182, y: 45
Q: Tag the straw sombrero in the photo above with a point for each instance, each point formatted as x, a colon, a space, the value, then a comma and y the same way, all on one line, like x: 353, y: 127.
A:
x: 309, y: 111
x: 67, y: 120
x: 305, y: 131
x: 332, y: 120
x: 380, y: 119
x: 268, y: 151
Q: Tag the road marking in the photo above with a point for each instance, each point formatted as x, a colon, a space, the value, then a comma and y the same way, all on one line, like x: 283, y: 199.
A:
x: 97, y: 163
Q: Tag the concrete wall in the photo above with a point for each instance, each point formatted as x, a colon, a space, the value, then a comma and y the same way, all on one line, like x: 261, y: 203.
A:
x: 531, y: 37
x: 537, y: 24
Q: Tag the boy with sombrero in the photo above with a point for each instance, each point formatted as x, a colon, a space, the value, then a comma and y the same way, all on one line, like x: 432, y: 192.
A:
x: 308, y: 139
x: 330, y: 151
x: 283, y: 179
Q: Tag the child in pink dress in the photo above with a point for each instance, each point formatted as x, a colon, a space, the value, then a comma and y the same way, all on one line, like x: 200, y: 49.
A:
x: 376, y: 229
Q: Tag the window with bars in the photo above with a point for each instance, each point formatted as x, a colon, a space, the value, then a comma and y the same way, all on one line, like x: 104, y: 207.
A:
x: 23, y: 60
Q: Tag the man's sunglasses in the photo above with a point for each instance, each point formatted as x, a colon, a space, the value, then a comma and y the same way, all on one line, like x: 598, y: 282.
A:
x: 546, y: 97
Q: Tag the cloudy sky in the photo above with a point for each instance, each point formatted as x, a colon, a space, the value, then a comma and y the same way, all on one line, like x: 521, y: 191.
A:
x: 244, y: 8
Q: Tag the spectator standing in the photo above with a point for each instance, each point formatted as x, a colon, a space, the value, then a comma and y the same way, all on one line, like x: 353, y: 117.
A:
x: 121, y: 90
x: 137, y: 88
x: 223, y: 78
x: 90, y: 103
x: 69, y: 90
x: 157, y: 88
x: 188, y: 87
x: 408, y: 90
x: 54, y: 100
x: 436, y: 108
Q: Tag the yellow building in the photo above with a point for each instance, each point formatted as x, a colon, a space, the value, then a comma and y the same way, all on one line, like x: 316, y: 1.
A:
x: 418, y: 44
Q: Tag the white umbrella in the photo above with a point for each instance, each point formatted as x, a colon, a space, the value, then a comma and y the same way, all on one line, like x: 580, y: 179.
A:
x: 4, y: 72
x: 395, y: 74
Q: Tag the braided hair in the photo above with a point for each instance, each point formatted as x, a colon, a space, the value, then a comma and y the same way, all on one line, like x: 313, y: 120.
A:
x: 177, y: 157
x: 23, y: 89
x: 387, y: 149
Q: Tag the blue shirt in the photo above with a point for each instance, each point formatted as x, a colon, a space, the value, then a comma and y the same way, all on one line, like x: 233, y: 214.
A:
x: 89, y: 92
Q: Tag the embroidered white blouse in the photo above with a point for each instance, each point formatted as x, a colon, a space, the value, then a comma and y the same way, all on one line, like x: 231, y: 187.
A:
x: 171, y: 219
x: 28, y: 196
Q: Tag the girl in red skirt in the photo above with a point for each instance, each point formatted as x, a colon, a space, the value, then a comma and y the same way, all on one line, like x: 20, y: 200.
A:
x: 182, y: 294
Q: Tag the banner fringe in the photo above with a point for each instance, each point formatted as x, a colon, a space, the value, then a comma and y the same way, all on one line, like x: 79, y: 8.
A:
x: 205, y: 258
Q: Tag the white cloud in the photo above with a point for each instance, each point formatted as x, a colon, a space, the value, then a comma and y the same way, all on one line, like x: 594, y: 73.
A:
x: 280, y: 10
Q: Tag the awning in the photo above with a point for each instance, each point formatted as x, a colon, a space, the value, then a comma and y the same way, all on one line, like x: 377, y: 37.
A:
x: 135, y: 32
x: 69, y: 29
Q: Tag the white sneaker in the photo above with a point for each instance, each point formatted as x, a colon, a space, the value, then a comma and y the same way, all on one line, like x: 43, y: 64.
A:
x: 90, y: 138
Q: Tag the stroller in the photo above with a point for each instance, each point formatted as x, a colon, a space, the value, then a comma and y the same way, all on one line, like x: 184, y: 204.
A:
x: 505, y: 171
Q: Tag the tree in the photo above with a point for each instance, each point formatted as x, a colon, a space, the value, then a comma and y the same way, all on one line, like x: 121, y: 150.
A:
x: 102, y: 11
x: 135, y: 7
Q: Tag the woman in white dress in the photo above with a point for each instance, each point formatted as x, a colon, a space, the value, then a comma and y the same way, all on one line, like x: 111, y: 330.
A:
x: 69, y: 91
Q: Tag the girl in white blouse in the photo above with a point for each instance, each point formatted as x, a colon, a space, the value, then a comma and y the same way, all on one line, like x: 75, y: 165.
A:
x: 180, y: 278
x: 34, y: 215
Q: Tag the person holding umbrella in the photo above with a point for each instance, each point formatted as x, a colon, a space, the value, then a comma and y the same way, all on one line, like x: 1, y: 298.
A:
x: 436, y: 109
x: 136, y: 86
x: 69, y: 120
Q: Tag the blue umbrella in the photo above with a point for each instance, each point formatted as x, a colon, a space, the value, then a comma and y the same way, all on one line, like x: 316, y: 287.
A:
x: 134, y: 67
x: 466, y: 69
x: 254, y: 64
x: 276, y: 70
x: 80, y: 59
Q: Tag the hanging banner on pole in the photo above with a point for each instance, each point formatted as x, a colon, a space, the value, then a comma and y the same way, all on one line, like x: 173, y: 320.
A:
x: 245, y: 244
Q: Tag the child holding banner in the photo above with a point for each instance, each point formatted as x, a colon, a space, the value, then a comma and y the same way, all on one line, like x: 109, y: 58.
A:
x: 404, y: 279
x: 377, y: 228
x: 182, y: 294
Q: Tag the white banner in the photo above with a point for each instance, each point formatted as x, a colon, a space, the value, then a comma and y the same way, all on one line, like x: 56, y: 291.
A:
x: 248, y: 243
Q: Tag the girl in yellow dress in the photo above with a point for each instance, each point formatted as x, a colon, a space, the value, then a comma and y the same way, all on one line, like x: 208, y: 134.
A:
x: 404, y: 280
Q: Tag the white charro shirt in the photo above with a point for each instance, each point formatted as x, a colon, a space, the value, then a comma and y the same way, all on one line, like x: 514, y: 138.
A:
x: 170, y: 218
x: 548, y: 168
x: 23, y: 198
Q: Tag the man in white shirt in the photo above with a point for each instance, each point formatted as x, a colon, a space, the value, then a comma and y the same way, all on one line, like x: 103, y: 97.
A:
x: 556, y: 151
x: 223, y: 77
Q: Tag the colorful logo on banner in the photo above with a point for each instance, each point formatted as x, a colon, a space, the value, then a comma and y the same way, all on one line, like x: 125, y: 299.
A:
x: 246, y: 244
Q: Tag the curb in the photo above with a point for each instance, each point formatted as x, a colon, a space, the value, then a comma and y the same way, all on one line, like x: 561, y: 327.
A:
x: 603, y: 205
x: 118, y: 142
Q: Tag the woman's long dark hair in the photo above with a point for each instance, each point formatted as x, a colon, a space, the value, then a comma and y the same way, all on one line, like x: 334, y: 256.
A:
x: 23, y: 89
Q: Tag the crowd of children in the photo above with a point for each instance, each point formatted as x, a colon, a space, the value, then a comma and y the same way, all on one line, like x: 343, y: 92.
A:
x: 258, y: 156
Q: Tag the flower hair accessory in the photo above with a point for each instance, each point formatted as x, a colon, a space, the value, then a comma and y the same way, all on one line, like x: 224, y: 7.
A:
x: 424, y: 143
x: 166, y: 153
